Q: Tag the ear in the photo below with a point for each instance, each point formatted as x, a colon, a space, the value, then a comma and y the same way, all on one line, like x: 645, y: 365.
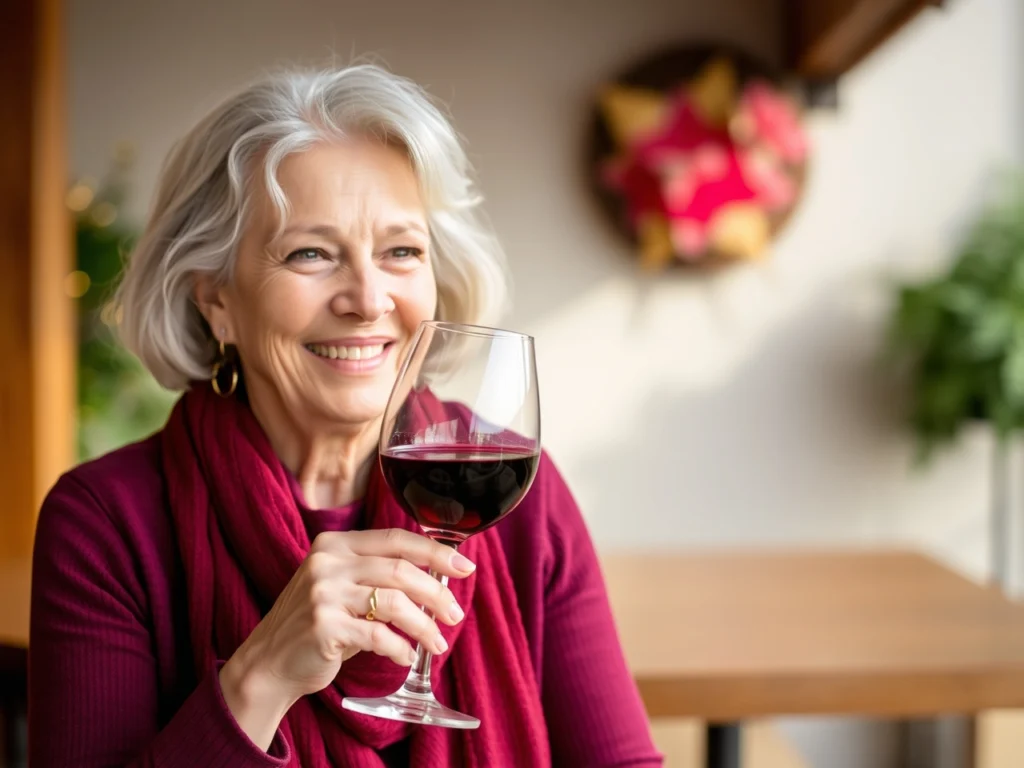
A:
x: 209, y: 297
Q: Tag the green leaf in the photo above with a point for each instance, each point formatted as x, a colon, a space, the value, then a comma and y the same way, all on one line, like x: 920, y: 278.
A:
x: 916, y: 318
x: 1013, y: 375
x: 992, y: 330
x: 962, y: 299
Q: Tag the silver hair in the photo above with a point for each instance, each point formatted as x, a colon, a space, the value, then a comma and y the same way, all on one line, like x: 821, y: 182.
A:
x: 202, y: 196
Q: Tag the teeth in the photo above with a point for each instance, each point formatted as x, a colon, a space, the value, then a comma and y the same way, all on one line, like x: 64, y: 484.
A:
x: 346, y: 353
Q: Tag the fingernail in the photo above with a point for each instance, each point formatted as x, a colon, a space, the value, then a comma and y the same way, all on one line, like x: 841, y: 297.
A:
x: 463, y: 563
x: 442, y: 644
x: 456, y: 612
x: 412, y: 657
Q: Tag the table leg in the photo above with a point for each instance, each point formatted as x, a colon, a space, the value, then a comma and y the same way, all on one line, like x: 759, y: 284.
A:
x: 941, y: 742
x: 13, y: 707
x: 723, y: 745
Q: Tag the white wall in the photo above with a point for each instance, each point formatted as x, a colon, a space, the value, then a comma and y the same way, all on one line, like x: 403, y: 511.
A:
x: 743, y: 409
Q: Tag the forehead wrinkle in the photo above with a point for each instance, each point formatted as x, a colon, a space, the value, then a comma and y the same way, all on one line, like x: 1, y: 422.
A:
x: 353, y: 199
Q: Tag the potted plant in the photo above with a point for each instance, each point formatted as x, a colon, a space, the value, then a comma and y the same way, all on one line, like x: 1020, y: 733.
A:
x: 960, y: 337
x: 118, y: 401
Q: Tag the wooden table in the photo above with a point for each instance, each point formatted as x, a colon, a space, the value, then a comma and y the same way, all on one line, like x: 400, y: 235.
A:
x: 729, y: 636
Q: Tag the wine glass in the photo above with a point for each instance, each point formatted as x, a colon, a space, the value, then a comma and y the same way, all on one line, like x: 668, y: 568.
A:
x: 459, y: 448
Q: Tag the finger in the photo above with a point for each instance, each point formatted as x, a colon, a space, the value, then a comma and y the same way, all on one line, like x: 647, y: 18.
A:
x: 334, y: 542
x: 394, y: 607
x: 377, y: 637
x: 422, y: 588
x: 417, y: 549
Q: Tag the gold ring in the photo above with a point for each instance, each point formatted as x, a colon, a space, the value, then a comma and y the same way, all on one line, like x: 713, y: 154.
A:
x: 372, y: 614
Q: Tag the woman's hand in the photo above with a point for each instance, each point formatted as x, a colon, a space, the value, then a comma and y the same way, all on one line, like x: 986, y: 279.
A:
x: 319, y: 620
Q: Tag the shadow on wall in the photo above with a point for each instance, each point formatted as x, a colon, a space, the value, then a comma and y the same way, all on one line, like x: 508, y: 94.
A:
x: 757, y: 453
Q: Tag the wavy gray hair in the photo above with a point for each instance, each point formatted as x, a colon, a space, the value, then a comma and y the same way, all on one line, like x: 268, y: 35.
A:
x: 203, y: 194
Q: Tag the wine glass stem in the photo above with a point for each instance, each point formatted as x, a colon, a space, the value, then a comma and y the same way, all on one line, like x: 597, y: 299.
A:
x: 418, y: 681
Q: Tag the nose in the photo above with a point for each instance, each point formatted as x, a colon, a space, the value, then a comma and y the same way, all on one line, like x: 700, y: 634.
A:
x: 365, y: 293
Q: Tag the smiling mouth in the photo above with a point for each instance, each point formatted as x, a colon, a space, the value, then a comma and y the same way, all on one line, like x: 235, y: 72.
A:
x: 363, y: 352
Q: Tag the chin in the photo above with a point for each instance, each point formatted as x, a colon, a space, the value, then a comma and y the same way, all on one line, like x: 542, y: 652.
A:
x: 349, y: 410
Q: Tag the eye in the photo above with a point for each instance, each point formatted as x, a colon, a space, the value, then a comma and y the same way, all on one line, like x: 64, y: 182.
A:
x: 306, y: 255
x: 403, y: 252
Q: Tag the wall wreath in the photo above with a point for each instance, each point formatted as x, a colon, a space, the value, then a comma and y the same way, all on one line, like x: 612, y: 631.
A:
x: 698, y: 155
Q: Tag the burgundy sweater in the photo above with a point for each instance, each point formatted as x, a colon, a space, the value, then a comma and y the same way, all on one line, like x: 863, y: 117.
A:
x: 111, y: 676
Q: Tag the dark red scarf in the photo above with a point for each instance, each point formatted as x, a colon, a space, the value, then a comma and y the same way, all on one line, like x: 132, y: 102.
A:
x: 242, y: 538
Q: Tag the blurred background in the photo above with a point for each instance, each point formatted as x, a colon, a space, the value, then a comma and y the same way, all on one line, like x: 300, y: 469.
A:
x: 731, y: 408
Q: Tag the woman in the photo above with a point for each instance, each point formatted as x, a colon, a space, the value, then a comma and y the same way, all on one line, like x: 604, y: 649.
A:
x: 203, y: 598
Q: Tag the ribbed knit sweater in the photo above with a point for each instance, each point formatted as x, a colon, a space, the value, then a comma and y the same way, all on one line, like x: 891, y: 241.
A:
x: 111, y: 677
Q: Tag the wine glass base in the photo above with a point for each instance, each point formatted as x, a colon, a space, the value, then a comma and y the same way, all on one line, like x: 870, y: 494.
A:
x: 411, y: 709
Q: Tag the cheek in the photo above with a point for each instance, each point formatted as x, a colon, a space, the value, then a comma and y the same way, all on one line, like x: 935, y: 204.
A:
x: 274, y: 309
x: 419, y: 303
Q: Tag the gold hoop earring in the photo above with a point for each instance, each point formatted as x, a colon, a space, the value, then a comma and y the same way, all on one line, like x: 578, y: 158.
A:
x: 215, y: 377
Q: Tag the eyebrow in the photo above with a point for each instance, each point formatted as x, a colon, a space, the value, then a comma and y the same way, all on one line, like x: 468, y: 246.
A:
x: 405, y: 226
x: 330, y: 232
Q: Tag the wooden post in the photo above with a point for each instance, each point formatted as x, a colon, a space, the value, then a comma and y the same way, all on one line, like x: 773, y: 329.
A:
x: 37, y: 330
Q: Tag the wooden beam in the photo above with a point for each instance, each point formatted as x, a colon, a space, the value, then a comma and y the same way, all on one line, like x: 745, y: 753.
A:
x: 829, y: 37
x: 37, y: 331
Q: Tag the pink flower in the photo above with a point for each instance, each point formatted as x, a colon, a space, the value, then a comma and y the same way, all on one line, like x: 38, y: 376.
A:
x: 690, y: 238
x: 767, y: 116
x: 710, y: 162
x: 679, y: 186
x: 764, y: 173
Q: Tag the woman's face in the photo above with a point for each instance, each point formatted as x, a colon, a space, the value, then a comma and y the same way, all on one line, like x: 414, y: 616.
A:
x: 323, y: 314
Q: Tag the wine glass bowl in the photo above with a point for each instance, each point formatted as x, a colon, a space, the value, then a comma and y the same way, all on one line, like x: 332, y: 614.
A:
x: 456, y: 492
x: 459, y: 449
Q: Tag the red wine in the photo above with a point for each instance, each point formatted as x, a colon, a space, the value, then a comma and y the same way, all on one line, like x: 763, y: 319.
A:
x: 454, y: 492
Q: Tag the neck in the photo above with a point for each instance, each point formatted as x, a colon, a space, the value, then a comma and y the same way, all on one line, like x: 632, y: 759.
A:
x: 332, y: 462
